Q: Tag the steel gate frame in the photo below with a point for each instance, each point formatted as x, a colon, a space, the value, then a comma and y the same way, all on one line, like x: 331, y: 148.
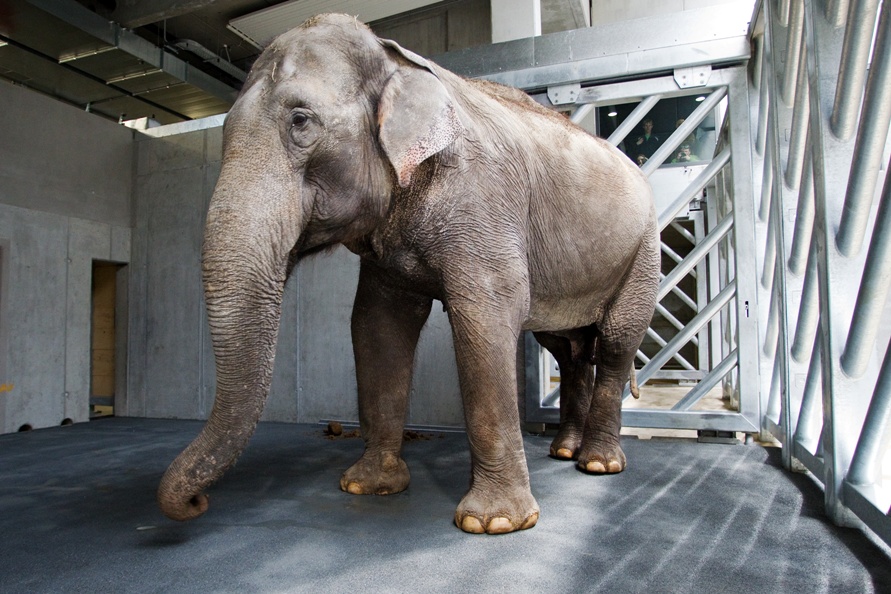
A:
x: 731, y: 300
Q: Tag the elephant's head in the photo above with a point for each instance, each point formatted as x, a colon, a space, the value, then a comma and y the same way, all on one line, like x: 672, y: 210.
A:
x: 331, y: 121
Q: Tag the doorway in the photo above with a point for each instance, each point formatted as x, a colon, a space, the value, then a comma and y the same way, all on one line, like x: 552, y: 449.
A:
x: 106, y: 330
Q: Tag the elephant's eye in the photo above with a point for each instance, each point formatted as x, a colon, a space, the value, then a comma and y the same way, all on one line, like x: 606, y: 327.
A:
x: 299, y: 119
x: 302, y: 132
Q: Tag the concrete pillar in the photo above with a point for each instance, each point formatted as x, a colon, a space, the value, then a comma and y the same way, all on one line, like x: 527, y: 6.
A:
x: 515, y: 19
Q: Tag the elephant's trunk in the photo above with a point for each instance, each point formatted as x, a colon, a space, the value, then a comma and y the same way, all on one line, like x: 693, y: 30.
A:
x: 249, y: 234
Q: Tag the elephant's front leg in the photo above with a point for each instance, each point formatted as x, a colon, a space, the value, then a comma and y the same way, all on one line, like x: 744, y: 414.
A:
x: 386, y: 325
x: 499, y: 499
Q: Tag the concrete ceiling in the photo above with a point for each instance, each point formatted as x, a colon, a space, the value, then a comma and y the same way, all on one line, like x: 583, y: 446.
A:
x: 170, y: 60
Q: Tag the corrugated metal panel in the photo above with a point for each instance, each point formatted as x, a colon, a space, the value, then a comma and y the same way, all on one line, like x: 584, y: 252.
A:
x: 260, y: 27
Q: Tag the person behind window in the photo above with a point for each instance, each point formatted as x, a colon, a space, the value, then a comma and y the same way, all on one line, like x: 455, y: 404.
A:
x: 684, y: 154
x: 646, y: 144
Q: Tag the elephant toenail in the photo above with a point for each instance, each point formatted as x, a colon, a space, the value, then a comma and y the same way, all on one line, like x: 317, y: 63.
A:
x: 614, y: 466
x: 595, y: 466
x: 354, y: 488
x: 471, y: 524
x: 530, y: 521
x: 564, y: 453
x: 499, y: 526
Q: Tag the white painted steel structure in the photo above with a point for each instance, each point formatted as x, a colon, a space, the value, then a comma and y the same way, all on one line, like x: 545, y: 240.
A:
x: 822, y: 151
x: 722, y: 260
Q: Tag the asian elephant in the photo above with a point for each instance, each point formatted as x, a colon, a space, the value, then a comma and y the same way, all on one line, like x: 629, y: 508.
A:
x: 463, y: 191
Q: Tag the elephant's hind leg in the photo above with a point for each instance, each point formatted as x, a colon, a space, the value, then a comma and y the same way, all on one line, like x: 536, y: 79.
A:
x: 386, y: 325
x: 621, y: 332
x: 576, y: 387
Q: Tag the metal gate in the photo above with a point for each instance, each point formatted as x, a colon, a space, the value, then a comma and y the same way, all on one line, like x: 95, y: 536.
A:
x: 715, y: 314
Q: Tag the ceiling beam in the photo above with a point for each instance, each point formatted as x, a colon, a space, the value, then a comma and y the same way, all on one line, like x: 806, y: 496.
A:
x: 136, y: 13
x: 89, y: 22
x: 67, y: 66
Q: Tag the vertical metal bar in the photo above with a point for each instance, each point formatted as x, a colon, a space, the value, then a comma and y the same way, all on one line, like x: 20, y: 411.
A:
x: 804, y: 217
x: 807, y: 430
x: 783, y: 13
x: 793, y: 49
x: 763, y: 100
x: 757, y: 70
x: 714, y: 276
x: 533, y: 386
x: 798, y: 140
x: 702, y: 347
x: 770, y: 248
x: 773, y: 326
x: 766, y: 181
x: 836, y: 11
x: 852, y: 70
x: 809, y: 309
x: 742, y: 259
x: 873, y: 291
x: 870, y: 144
x: 773, y: 401
x: 633, y: 119
x: 864, y: 466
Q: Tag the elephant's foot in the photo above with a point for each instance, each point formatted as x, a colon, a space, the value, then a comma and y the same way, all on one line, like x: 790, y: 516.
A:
x: 566, y: 445
x: 382, y: 474
x: 601, y: 458
x: 480, y: 513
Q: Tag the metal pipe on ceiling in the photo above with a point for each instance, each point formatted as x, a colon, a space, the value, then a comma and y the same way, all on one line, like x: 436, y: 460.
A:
x: 70, y: 68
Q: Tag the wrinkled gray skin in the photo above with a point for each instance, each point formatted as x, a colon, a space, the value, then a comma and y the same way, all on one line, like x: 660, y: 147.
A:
x: 462, y: 191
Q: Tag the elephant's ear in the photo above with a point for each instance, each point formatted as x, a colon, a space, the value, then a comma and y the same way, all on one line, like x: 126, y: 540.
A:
x: 416, y: 117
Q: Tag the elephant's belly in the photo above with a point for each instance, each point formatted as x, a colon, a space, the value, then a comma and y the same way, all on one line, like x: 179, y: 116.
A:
x: 550, y: 313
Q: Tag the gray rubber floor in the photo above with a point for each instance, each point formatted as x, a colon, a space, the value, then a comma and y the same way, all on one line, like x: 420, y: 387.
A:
x: 77, y: 514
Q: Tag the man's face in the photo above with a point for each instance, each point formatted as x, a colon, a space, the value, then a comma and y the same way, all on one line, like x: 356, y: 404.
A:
x: 648, y: 127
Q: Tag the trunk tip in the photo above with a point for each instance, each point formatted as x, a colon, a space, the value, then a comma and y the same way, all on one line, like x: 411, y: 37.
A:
x: 181, y: 510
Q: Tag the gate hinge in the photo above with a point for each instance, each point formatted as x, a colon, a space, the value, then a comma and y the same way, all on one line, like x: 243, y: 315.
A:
x: 694, y: 76
x: 563, y: 94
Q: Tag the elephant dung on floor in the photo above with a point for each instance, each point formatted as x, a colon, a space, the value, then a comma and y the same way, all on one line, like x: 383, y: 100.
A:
x: 459, y: 190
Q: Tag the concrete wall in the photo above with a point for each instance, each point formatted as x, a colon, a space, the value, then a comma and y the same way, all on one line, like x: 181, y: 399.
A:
x: 66, y: 182
x: 171, y: 360
x: 65, y: 186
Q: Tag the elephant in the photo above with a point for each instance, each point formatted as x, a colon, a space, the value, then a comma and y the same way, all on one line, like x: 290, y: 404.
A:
x: 463, y: 191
